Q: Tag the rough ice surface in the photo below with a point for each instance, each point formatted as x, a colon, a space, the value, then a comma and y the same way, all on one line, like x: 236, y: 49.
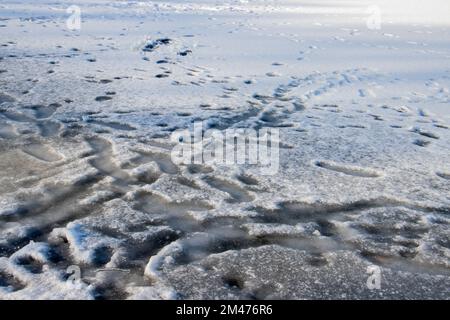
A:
x: 87, y: 182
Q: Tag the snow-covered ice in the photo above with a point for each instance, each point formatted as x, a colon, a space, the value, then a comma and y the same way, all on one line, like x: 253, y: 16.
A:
x: 359, y: 91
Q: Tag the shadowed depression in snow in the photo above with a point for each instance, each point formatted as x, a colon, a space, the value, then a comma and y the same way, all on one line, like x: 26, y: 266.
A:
x: 340, y: 108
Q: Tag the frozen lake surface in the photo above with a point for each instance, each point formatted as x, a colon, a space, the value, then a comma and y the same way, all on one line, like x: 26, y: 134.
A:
x: 92, y: 205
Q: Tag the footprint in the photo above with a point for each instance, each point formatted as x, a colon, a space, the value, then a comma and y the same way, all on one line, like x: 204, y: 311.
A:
x: 14, y: 116
x: 237, y: 193
x: 196, y: 168
x: 441, y: 126
x: 184, y: 52
x: 104, y: 161
x: 349, y: 169
x: 155, y: 204
x: 443, y: 175
x: 188, y: 182
x: 32, y: 265
x: 248, y: 180
x: 102, y: 98
x: 184, y: 114
x: 424, y: 133
x: 43, y: 112
x: 377, y: 117
x: 101, y: 255
x: 10, y: 282
x: 270, y: 117
x: 42, y: 152
x: 7, y: 131
x: 49, y: 128
x: 233, y: 282
x: 6, y: 98
x: 99, y: 145
x: 153, y: 45
x: 163, y: 161
x: 113, y: 125
x: 421, y: 142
